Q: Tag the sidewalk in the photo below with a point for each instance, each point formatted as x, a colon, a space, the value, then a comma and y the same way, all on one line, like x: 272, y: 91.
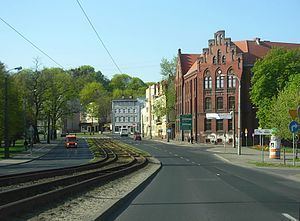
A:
x: 38, y: 150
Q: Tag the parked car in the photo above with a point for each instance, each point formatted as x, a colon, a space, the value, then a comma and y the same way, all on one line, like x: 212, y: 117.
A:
x: 137, y: 136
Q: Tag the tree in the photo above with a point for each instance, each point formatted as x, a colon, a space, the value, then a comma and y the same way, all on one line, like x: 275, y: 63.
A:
x: 271, y: 75
x: 59, y: 92
x: 168, y: 71
x: 289, y: 98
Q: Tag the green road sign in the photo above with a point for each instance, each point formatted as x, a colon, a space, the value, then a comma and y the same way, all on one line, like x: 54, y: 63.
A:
x: 186, y: 122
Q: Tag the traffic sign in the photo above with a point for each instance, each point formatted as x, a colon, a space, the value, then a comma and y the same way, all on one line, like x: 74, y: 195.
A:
x: 186, y: 122
x: 262, y: 131
x: 293, y: 113
x: 294, y: 127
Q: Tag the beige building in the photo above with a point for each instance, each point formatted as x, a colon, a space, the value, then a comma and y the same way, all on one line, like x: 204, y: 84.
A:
x: 153, y: 125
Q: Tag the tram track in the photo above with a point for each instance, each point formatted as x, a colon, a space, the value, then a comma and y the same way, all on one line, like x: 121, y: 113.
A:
x: 70, y: 181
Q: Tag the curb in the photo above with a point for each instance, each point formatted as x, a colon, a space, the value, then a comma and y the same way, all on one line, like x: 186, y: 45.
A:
x: 117, y: 208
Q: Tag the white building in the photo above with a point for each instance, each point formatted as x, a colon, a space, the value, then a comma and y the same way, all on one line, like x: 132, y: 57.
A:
x: 153, y: 125
x: 126, y: 113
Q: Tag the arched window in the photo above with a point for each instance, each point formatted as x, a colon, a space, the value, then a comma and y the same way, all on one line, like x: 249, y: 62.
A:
x: 231, y: 81
x: 231, y: 102
x: 220, y: 82
x: 207, y: 103
x: 214, y: 60
x: 223, y: 59
x: 219, y: 103
x: 219, y: 56
x: 207, y: 81
x: 239, y: 62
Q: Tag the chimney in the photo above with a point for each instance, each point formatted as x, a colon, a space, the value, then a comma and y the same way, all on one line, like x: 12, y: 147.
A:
x: 257, y: 40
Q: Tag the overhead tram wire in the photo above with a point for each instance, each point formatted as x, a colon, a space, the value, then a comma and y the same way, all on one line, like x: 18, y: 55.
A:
x: 30, y: 42
x: 98, y: 36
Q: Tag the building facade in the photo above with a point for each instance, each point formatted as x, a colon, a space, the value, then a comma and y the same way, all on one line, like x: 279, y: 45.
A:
x: 126, y: 113
x: 153, y: 125
x: 207, y: 87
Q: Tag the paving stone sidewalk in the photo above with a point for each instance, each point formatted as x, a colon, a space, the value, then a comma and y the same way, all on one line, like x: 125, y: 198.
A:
x: 36, y: 151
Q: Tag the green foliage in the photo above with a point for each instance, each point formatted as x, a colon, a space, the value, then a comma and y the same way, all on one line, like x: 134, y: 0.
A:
x: 168, y: 68
x: 271, y: 75
x: 159, y: 107
x: 91, y: 92
x: 278, y: 115
x: 127, y: 86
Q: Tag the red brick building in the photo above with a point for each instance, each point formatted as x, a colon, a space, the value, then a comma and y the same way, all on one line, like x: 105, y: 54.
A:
x: 206, y: 83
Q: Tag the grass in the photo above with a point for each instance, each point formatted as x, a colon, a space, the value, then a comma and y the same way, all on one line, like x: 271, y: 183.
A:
x: 264, y: 164
x: 19, y: 147
x: 134, y: 149
x: 266, y: 148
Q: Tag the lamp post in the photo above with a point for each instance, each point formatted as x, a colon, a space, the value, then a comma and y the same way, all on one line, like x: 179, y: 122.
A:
x: 6, y: 132
x: 239, y: 117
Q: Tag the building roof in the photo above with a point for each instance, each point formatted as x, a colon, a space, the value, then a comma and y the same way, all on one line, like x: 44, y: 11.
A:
x: 187, y: 60
x: 257, y: 49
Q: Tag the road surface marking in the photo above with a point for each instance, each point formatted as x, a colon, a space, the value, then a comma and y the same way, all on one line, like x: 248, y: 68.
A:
x: 199, y: 164
x: 193, y: 162
x: 289, y: 217
x: 222, y: 158
x: 181, y: 157
x: 170, y: 153
x: 218, y: 174
x: 187, y: 159
x: 176, y: 155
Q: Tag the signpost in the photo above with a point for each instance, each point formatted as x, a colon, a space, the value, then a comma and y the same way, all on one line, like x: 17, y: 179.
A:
x: 186, y: 122
x: 294, y: 127
x: 261, y: 133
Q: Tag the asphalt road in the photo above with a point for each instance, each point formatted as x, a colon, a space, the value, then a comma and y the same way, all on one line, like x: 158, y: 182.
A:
x: 58, y: 157
x: 196, y: 185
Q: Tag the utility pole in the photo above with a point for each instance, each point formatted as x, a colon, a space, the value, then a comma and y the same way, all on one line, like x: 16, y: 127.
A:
x: 6, y: 141
x: 233, y: 125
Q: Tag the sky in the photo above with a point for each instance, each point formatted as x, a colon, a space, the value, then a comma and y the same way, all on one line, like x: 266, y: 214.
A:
x: 137, y: 33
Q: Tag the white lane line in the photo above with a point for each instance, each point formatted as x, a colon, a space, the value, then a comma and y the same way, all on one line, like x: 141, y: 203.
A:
x: 187, y: 159
x: 193, y: 162
x: 289, y: 217
x: 199, y: 164
x: 218, y: 174
x: 170, y: 153
x: 176, y: 155
x: 181, y: 157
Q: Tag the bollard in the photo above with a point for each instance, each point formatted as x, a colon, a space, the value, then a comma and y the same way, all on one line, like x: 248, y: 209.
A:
x: 284, y: 156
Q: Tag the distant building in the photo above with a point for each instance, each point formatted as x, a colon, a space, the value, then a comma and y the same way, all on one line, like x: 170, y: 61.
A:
x: 126, y: 113
x: 88, y: 124
x: 207, y: 86
x: 153, y: 125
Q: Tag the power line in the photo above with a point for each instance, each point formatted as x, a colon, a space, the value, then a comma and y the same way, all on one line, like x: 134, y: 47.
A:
x: 98, y: 36
x: 30, y: 42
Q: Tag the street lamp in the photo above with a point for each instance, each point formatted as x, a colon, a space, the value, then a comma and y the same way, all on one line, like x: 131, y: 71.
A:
x: 239, y: 117
x: 6, y: 138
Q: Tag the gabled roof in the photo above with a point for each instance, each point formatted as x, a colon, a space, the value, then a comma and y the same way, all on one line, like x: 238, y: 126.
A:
x: 187, y: 60
x: 255, y: 50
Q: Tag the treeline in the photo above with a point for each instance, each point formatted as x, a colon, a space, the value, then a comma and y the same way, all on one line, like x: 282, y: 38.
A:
x: 276, y: 89
x: 50, y: 94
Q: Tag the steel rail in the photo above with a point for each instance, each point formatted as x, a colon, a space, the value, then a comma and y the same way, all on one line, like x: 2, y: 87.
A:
x: 58, y: 190
x: 12, y: 179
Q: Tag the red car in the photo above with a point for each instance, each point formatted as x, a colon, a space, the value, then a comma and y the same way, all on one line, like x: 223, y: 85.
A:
x: 137, y: 136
